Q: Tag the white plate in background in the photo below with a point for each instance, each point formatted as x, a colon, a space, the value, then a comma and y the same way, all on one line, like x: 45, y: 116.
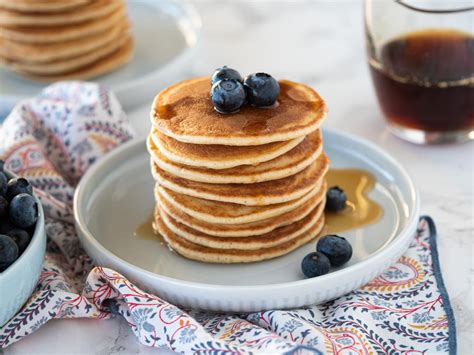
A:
x: 166, y: 34
x: 116, y: 195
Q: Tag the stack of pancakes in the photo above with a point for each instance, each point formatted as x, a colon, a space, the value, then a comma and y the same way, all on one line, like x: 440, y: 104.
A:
x: 64, y: 39
x: 239, y: 187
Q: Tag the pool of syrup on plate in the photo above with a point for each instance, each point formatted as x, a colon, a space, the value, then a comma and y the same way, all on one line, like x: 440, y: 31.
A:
x: 360, y: 209
x: 145, y: 231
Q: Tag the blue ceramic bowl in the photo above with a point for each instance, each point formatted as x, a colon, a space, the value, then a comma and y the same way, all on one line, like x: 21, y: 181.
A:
x: 18, y: 281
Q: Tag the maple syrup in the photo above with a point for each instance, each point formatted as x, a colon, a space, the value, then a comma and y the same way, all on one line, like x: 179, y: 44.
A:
x: 360, y: 209
x: 145, y: 231
x: 425, y: 80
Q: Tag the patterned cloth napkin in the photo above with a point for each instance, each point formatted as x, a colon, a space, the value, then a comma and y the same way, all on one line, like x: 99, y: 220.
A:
x: 54, y: 138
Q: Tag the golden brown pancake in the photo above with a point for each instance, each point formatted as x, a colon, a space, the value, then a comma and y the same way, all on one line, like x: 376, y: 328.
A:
x: 62, y: 33
x: 226, y: 256
x: 102, y: 66
x: 241, y: 229
x: 50, y: 52
x: 231, y: 213
x: 285, y: 165
x: 277, y: 236
x: 219, y: 156
x: 185, y: 112
x: 68, y: 65
x: 41, y: 5
x: 258, y: 194
x: 89, y: 11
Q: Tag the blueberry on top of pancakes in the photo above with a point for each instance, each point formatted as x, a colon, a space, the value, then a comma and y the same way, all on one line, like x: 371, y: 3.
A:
x: 262, y: 89
x: 227, y: 95
x: 225, y: 73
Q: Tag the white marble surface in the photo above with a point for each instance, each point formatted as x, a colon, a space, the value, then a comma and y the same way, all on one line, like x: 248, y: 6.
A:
x: 319, y: 43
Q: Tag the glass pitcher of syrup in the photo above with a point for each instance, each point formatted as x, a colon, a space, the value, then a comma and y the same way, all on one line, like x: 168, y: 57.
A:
x: 421, y: 58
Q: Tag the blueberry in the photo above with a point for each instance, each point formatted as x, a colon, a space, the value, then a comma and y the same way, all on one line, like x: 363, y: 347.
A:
x: 8, y: 251
x: 315, y: 264
x: 262, y: 89
x: 3, y: 206
x: 335, y: 199
x: 336, y: 248
x: 3, y: 184
x: 21, y: 238
x: 225, y: 73
x: 18, y: 186
x: 23, y: 210
x: 5, y: 225
x: 227, y: 95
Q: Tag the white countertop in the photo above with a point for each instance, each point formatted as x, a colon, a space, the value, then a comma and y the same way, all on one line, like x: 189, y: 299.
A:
x: 320, y: 44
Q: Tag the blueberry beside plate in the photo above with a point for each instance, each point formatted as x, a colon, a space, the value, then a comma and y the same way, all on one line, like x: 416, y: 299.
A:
x: 26, y: 244
x: 18, y: 217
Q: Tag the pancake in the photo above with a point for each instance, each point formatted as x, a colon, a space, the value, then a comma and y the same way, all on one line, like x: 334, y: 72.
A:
x: 87, y: 12
x: 70, y: 64
x: 184, y: 112
x: 41, y: 5
x: 219, y: 156
x: 258, y: 194
x: 226, y: 256
x: 231, y: 213
x: 245, y: 229
x: 102, y: 66
x: 62, y: 33
x: 43, y: 53
x: 277, y: 236
x: 285, y: 165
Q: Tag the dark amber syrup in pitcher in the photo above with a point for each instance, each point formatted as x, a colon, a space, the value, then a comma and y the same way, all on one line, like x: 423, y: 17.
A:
x: 425, y: 80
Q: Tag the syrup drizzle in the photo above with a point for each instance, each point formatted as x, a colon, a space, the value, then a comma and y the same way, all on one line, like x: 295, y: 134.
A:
x: 250, y: 120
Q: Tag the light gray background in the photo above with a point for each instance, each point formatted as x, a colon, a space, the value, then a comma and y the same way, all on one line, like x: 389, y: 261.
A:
x: 319, y: 43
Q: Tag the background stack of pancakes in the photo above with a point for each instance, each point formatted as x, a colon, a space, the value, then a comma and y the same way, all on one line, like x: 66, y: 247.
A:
x: 64, y: 39
x: 240, y: 187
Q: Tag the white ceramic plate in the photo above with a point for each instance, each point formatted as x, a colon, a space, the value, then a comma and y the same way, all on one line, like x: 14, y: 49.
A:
x: 116, y: 196
x: 165, y: 33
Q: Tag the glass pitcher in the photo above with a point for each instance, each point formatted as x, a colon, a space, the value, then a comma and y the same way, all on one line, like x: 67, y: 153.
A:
x: 421, y: 58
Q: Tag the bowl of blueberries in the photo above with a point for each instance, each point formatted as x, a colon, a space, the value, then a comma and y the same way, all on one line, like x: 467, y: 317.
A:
x: 22, y: 242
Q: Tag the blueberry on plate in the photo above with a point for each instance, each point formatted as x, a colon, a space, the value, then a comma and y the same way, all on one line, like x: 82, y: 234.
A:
x: 262, y: 89
x: 3, y: 206
x: 21, y: 238
x: 227, y: 95
x: 8, y: 251
x: 225, y: 73
x: 315, y: 264
x: 335, y: 199
x: 23, y: 210
x: 3, y: 183
x: 336, y: 248
x: 18, y: 186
